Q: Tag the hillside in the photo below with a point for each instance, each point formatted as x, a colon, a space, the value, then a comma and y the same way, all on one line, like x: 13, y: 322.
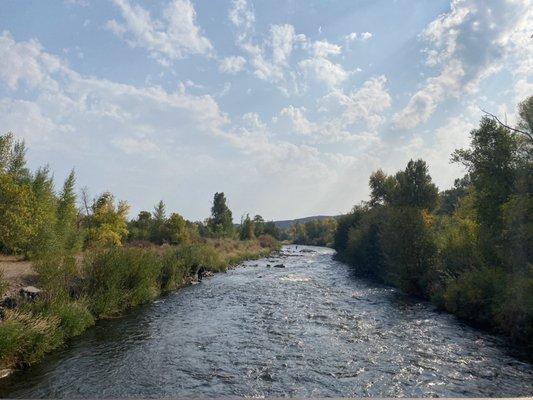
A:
x: 287, y: 223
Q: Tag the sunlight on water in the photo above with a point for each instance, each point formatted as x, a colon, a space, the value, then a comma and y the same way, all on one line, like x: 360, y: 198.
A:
x: 309, y: 329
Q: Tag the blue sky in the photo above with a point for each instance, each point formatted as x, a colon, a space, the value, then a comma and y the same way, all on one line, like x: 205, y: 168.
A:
x: 286, y: 106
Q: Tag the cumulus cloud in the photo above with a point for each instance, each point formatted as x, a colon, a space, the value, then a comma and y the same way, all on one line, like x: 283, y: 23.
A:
x: 323, y: 48
x: 232, y: 65
x: 172, y: 37
x: 241, y: 15
x: 360, y: 37
x: 295, y: 119
x: 66, y: 99
x: 323, y: 70
x: 467, y: 44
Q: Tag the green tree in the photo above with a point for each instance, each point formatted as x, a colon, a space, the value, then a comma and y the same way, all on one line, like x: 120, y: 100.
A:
x: 414, y: 187
x: 141, y: 228
x: 67, y: 214
x: 13, y: 158
x: 491, y: 163
x: 107, y: 223
x: 44, y: 214
x: 158, y: 234
x: 17, y: 229
x: 221, y: 221
x: 247, y: 228
x: 259, y: 225
x: 177, y: 230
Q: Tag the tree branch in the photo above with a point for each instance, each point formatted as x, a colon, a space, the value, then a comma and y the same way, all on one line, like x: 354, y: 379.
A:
x: 507, y: 126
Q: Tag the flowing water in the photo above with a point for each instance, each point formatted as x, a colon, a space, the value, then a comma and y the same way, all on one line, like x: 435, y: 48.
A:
x: 310, y: 329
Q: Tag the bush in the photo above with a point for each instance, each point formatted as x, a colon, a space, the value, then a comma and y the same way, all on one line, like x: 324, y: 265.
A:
x: 514, y: 313
x: 56, y: 271
x: 25, y: 338
x: 74, y: 316
x: 473, y: 294
x: 119, y: 278
x: 192, y: 257
x: 268, y: 242
x: 172, y: 272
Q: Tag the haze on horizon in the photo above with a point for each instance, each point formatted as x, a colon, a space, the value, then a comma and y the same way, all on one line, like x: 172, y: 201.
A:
x: 286, y: 106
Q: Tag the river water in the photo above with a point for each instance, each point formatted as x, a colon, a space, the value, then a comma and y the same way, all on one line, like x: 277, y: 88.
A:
x: 310, y: 329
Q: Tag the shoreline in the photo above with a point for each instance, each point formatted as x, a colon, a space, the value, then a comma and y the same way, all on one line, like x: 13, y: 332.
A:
x: 240, y: 251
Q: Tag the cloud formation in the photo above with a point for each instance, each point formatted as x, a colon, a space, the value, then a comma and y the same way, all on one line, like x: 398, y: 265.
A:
x: 466, y: 44
x: 170, y: 38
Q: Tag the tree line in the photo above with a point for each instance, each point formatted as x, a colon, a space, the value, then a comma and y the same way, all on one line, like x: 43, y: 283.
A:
x: 92, y: 261
x: 36, y: 220
x: 468, y: 248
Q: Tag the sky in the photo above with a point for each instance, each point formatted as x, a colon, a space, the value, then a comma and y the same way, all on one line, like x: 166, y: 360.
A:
x: 286, y: 106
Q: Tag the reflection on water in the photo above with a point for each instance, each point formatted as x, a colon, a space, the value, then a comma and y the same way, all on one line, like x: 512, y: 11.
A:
x: 310, y: 329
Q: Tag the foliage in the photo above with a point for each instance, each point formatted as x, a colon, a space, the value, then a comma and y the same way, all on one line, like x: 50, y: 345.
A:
x: 468, y: 249
x: 25, y: 337
x: 107, y: 226
x: 16, y: 213
x: 247, y: 229
x: 317, y: 232
x: 221, y: 221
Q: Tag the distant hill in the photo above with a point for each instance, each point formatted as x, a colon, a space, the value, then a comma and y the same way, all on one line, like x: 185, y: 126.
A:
x: 284, y: 224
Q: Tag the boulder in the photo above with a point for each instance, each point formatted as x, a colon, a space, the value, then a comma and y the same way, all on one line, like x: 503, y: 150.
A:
x: 30, y: 292
x: 279, y: 266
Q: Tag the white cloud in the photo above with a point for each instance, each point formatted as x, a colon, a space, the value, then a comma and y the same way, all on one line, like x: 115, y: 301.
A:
x: 172, y: 37
x: 323, y: 70
x: 323, y: 48
x: 296, y: 120
x: 361, y: 37
x: 241, y: 15
x: 281, y: 40
x: 468, y: 44
x: 232, y: 65
x: 66, y: 100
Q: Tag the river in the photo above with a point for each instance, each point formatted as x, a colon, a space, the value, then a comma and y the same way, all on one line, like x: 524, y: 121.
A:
x: 310, y: 329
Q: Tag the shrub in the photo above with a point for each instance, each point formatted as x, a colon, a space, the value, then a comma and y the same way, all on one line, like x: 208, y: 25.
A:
x: 192, y: 257
x: 119, y: 278
x: 25, y: 338
x: 514, y: 313
x: 473, y: 294
x: 268, y: 242
x: 74, y: 316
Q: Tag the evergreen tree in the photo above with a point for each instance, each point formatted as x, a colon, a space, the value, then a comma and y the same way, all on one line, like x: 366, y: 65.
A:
x: 247, y: 228
x: 221, y: 221
x: 67, y: 214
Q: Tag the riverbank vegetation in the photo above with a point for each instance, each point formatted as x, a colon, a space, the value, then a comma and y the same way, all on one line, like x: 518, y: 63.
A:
x: 92, y: 262
x: 468, y: 248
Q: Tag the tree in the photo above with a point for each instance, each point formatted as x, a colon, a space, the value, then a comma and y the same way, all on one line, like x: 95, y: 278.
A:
x: 409, y: 188
x: 381, y: 188
x: 221, y: 221
x: 141, y: 228
x: 67, y: 214
x: 17, y: 229
x: 44, y: 214
x: 414, y: 187
x: 259, y: 225
x: 491, y: 162
x: 158, y: 233
x: 176, y: 229
x: 247, y: 228
x: 525, y: 115
x: 107, y: 223
x: 13, y: 158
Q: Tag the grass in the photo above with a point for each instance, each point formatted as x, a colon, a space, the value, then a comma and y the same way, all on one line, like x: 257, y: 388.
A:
x: 109, y: 282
